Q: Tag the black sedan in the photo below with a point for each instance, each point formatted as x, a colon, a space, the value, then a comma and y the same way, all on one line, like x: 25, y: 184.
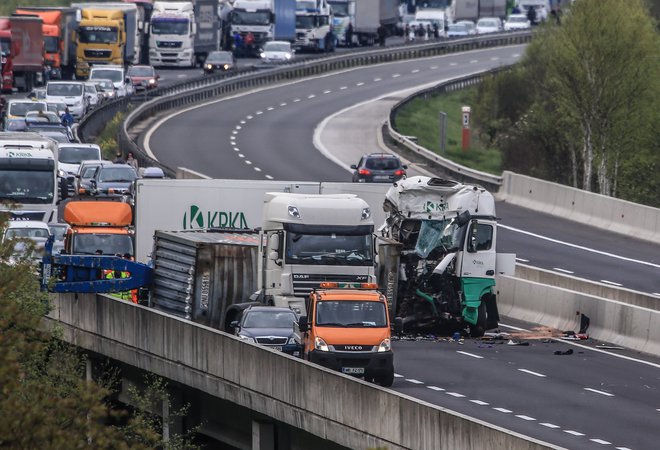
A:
x: 269, y: 326
x: 112, y: 180
x: 378, y: 168
x: 219, y: 61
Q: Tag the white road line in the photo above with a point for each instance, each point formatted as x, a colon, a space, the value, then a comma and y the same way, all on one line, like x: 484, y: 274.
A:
x: 414, y: 71
x: 249, y: 163
x: 516, y: 55
x: 234, y: 132
x: 296, y: 100
x: 249, y: 117
x: 238, y: 127
x: 396, y: 75
x: 559, y: 269
x: 656, y: 294
x: 377, y: 80
x: 658, y: 409
x: 231, y: 138
x: 359, y: 84
x: 270, y: 108
x: 283, y: 104
x: 524, y: 417
x: 549, y: 425
x: 434, y: 67
x: 269, y: 177
x: 469, y: 354
x: 494, y: 58
x: 241, y: 155
x: 623, y: 448
x: 243, y: 122
x: 606, y: 394
x: 600, y: 441
x: 396, y: 375
x: 574, y: 433
x: 311, y: 96
x: 522, y: 260
x: 257, y: 169
x: 327, y: 91
x: 480, y: 403
x: 413, y: 381
x: 259, y: 113
x: 453, y: 64
x: 580, y: 247
x: 611, y: 282
x: 474, y: 61
x: 435, y: 388
x: 455, y: 394
x: 536, y: 374
x: 236, y: 149
x: 503, y: 410
x: 343, y: 88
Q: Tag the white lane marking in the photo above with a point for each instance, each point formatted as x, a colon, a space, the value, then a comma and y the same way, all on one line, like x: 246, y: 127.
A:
x: 522, y: 260
x: 283, y: 104
x: 559, y: 269
x: 343, y: 88
x: 656, y: 294
x: 396, y: 375
x: 574, y: 433
x: 270, y: 108
x: 234, y: 132
x: 494, y: 58
x: 249, y: 117
x: 434, y: 67
x: 359, y: 84
x: 327, y: 91
x: 259, y: 113
x: 658, y: 409
x: 249, y: 163
x: 606, y: 394
x: 575, y: 344
x: 455, y: 394
x: 241, y: 155
x: 269, y: 177
x: 480, y: 403
x: 469, y: 354
x: 549, y: 425
x: 611, y: 282
x: 238, y: 127
x: 623, y: 448
x: 516, y: 55
x: 524, y: 417
x: 243, y: 122
x: 600, y: 441
x: 580, y: 247
x: 296, y: 100
x: 453, y: 63
x: 435, y: 388
x: 231, y: 138
x: 474, y: 61
x: 236, y: 149
x: 536, y: 374
x: 257, y: 169
x: 413, y: 381
x: 503, y: 410
x: 414, y: 71
x: 378, y: 79
x: 311, y: 96
x: 396, y: 75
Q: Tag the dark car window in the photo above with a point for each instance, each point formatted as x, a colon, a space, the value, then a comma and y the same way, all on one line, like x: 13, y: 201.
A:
x: 266, y: 319
x: 382, y: 163
x: 119, y: 174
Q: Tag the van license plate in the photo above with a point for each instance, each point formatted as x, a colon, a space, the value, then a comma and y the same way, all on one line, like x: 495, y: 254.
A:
x: 353, y: 370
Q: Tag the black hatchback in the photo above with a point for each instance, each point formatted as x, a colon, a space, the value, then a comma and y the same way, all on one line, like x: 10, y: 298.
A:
x: 219, y: 61
x: 378, y: 168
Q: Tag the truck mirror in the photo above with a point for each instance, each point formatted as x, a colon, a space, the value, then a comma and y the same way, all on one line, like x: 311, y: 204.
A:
x: 398, y: 325
x: 273, y: 255
x: 353, y: 166
x: 302, y: 324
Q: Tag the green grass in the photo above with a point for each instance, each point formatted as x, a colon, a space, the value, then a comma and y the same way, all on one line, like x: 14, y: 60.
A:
x: 107, y: 140
x: 421, y: 118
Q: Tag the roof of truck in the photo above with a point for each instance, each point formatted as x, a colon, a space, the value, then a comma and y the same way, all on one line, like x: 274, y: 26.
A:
x: 99, y: 213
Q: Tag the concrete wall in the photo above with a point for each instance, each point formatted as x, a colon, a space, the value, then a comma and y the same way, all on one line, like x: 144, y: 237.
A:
x: 593, y: 209
x: 612, y: 321
x: 344, y: 410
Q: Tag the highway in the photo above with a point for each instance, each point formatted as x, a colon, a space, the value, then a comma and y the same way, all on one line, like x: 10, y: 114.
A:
x: 589, y: 399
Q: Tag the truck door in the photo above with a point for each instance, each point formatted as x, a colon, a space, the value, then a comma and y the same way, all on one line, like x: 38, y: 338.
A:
x: 478, y: 258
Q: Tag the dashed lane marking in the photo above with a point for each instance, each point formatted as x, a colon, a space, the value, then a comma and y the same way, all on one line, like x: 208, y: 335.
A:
x: 503, y: 410
x: 296, y: 100
x: 283, y: 104
x: 359, y: 84
x: 248, y: 162
x: 536, y: 374
x: 241, y: 155
x: 249, y: 117
x: 238, y: 127
x: 494, y: 58
x: 413, y: 381
x: 269, y: 177
x: 327, y: 91
x: 453, y: 64
x: 243, y: 122
x: 257, y: 169
x: 524, y: 417
x: 396, y: 75
x: 236, y: 149
x: 259, y: 113
x: 549, y: 425
x: 343, y: 88
x: 377, y: 80
x: 435, y: 388
x: 270, y: 108
x: 600, y: 441
x: 479, y: 402
x: 611, y: 282
x: 474, y: 61
x: 469, y: 354
x: 606, y: 394
x: 414, y: 71
x: 455, y: 394
x: 396, y: 375
x: 574, y: 433
x: 311, y: 96
x: 434, y: 67
x: 559, y: 269
x: 234, y: 132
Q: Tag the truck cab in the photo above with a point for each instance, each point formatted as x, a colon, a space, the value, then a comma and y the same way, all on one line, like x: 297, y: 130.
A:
x: 256, y: 17
x: 172, y: 31
x: 347, y: 328
x: 101, y: 39
x: 313, y: 24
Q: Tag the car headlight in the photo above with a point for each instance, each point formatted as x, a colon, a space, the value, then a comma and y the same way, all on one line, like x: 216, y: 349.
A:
x: 262, y: 55
x: 288, y: 56
x: 319, y: 344
x: 246, y: 338
x: 209, y: 66
x: 226, y: 66
x: 152, y: 81
x: 385, y: 346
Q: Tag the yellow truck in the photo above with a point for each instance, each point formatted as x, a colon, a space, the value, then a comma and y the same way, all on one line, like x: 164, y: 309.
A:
x: 105, y: 36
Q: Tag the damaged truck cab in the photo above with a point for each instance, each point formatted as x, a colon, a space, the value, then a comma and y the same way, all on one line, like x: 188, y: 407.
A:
x: 447, y: 261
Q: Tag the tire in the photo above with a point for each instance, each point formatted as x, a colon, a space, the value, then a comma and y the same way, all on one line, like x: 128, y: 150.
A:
x: 477, y: 330
x: 386, y: 380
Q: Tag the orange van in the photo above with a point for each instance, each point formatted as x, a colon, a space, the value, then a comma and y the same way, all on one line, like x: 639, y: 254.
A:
x: 347, y: 328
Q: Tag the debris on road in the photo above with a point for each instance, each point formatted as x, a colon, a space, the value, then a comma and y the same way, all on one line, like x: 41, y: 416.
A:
x: 565, y: 352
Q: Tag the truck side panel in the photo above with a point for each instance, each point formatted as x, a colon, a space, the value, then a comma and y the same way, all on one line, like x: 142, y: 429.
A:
x: 285, y: 20
x: 130, y: 26
x: 367, y: 16
x: 26, y: 33
x: 206, y: 18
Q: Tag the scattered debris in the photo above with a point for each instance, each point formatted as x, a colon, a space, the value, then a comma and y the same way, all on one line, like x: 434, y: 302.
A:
x: 513, y: 342
x: 609, y: 347
x: 566, y: 352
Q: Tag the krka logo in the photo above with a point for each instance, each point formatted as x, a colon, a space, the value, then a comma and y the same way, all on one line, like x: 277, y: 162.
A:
x: 431, y: 207
x: 195, y: 218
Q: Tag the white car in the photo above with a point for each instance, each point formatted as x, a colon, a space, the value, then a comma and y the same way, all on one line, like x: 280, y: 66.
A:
x: 71, y: 93
x: 487, y: 25
x: 461, y: 29
x: 277, y: 51
x: 115, y: 73
x: 20, y: 107
x: 70, y: 155
x: 32, y: 230
x: 93, y: 93
x: 517, y: 22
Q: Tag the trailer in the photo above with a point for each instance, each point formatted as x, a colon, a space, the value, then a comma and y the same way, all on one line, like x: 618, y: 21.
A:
x: 27, y: 51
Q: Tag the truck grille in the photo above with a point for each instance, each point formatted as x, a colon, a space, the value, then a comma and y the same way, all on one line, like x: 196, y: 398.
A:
x: 168, y: 44
x: 304, y: 283
x: 98, y: 53
x: 269, y: 340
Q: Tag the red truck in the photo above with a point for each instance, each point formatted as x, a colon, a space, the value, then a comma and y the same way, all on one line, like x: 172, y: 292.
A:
x: 7, y: 69
x: 26, y: 51
x: 59, y: 28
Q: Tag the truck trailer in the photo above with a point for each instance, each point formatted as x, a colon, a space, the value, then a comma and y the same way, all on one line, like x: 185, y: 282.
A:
x: 366, y: 16
x: 27, y: 51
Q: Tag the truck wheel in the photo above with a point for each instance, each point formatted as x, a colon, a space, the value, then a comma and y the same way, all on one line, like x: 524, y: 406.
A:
x: 477, y: 330
x: 386, y: 380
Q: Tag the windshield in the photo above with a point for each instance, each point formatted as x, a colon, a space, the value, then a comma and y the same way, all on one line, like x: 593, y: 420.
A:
x: 141, y: 72
x: 219, y: 57
x: 488, y: 23
x: 250, y: 18
x: 26, y: 233
x: 116, y: 76
x: 339, y: 9
x: 438, y: 233
x: 15, y: 125
x: 60, y: 136
x: 52, y: 44
x: 57, y: 231
x: 5, y: 46
x: 118, y: 174
x: 27, y: 186
x: 108, y: 244
x: 169, y: 26
x: 268, y: 319
x: 21, y: 109
x: 305, y: 21
x: 64, y: 90
x: 351, y: 314
x: 88, y: 171
x: 75, y: 155
x: 518, y: 19
x: 331, y: 249
x: 56, y: 107
x: 460, y: 28
x: 382, y: 164
x: 97, y: 35
x: 276, y: 47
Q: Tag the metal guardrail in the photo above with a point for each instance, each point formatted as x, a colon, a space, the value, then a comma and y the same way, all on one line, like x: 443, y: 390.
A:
x: 431, y: 159
x: 203, y: 88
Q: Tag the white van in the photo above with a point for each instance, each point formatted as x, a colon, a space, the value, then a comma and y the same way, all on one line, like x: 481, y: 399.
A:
x: 71, y: 93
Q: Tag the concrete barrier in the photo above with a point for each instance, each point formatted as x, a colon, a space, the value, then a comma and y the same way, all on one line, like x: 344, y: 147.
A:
x: 350, y: 412
x: 597, y: 210
x: 612, y: 321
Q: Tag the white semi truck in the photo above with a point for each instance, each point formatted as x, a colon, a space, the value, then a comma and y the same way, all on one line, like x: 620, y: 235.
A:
x: 446, y: 262
x: 365, y: 16
x: 29, y: 181
x: 183, y: 33
x: 314, y: 20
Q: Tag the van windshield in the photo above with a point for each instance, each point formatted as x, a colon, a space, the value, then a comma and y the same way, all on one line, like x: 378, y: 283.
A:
x: 350, y: 314
x: 74, y: 155
x: 64, y: 89
x: 116, y: 76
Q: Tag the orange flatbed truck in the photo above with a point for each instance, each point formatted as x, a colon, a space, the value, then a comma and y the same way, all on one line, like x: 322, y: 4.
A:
x: 347, y: 328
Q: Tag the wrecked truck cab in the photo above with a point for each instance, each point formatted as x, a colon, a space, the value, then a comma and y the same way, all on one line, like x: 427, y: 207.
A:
x: 447, y: 261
